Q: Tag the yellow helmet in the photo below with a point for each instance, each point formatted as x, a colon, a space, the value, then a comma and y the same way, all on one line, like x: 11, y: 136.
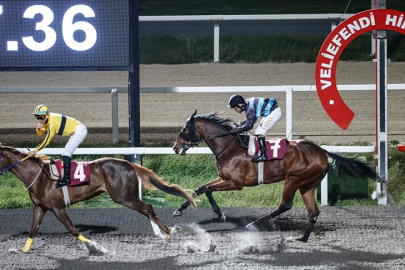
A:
x: 41, y: 109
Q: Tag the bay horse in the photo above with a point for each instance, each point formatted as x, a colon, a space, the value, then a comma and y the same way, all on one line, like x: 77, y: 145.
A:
x: 302, y: 168
x: 119, y: 178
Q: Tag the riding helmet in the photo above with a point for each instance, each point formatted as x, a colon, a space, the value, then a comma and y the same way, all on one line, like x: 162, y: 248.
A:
x: 41, y: 109
x: 235, y: 100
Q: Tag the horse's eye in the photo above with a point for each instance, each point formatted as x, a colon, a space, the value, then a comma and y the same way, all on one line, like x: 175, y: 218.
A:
x: 185, y: 130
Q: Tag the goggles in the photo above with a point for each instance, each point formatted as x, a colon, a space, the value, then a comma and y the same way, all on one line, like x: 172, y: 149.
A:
x: 40, y: 117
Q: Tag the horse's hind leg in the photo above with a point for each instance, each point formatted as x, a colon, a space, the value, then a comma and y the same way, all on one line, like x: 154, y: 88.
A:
x: 313, y: 212
x: 147, y: 210
x: 285, y: 205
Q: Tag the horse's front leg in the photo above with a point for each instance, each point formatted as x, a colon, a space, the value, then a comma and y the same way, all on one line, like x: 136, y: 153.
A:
x: 197, y: 192
x: 36, y: 222
x: 222, y: 185
x: 62, y: 216
x: 217, y: 185
x: 214, y: 204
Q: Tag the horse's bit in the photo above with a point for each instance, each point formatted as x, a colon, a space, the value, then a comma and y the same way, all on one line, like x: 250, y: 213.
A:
x: 191, y: 139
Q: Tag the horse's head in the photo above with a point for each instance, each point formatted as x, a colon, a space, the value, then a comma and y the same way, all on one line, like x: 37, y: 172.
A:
x: 210, y: 128
x: 188, y: 136
x: 10, y: 157
x: 7, y: 157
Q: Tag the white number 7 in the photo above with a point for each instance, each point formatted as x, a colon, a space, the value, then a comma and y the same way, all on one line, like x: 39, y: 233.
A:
x: 275, y: 147
x: 79, y: 172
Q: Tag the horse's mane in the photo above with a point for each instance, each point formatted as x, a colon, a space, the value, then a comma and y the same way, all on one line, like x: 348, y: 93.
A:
x: 42, y: 158
x: 213, y: 117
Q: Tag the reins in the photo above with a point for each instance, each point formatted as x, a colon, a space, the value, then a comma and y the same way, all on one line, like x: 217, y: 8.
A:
x: 11, y: 166
x: 217, y: 155
x: 192, y: 139
x: 7, y: 168
x: 192, y: 143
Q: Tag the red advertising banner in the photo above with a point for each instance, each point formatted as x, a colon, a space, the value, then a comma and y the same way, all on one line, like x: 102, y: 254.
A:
x: 335, y: 43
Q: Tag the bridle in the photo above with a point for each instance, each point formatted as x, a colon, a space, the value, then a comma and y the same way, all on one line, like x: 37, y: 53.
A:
x: 192, y: 139
x: 7, y: 168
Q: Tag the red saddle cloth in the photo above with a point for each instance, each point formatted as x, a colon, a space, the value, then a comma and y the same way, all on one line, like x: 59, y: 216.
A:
x: 79, y: 172
x: 275, y: 148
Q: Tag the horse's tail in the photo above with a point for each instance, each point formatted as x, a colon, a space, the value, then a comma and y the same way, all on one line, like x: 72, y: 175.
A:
x: 352, y: 167
x: 152, y: 182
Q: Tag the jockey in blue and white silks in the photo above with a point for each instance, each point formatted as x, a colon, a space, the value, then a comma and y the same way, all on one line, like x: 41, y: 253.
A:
x: 254, y: 108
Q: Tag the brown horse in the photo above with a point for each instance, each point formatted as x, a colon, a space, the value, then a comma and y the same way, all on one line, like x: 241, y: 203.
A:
x: 303, y: 167
x: 119, y: 178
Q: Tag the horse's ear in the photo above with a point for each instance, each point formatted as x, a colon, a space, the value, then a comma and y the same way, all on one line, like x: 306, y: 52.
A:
x: 192, y: 116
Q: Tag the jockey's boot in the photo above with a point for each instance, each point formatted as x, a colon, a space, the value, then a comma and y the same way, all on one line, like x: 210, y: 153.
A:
x: 66, y: 168
x: 262, y: 145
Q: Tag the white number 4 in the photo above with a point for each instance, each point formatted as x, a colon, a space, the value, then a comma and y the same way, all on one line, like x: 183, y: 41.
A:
x: 79, y: 172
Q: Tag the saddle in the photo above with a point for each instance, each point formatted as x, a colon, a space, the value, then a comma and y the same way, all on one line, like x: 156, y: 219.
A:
x: 79, y: 172
x: 275, y: 148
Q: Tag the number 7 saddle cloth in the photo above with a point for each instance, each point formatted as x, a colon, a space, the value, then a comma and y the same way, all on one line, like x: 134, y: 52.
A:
x: 79, y: 172
x: 275, y: 148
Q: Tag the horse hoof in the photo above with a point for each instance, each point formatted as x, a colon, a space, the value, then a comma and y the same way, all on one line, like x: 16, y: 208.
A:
x: 177, y: 213
x: 251, y: 226
x: 167, y: 238
x: 223, y: 218
x: 301, y: 239
x: 176, y: 229
x: 290, y: 239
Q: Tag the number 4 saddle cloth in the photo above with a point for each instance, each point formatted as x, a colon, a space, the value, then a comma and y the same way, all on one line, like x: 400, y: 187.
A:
x: 275, y: 148
x: 79, y: 172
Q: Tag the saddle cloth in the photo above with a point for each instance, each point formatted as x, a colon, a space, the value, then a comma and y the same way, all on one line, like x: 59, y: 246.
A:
x: 275, y: 148
x: 79, y: 172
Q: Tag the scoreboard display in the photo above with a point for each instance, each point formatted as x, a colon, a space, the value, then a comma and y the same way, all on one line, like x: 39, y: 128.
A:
x: 64, y: 35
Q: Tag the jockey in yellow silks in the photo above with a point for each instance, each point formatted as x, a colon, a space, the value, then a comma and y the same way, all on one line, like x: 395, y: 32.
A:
x: 58, y: 124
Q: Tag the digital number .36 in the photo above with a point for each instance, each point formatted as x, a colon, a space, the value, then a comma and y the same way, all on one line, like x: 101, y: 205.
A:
x: 68, y: 29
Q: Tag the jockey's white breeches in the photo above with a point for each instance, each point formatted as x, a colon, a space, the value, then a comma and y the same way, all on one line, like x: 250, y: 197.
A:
x: 268, y: 121
x: 75, y: 140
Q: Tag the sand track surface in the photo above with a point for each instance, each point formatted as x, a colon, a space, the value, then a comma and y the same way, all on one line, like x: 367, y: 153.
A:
x: 343, y: 238
x: 162, y: 115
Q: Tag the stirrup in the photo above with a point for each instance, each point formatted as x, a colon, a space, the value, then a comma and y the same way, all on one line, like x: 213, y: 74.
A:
x: 63, y: 183
x: 260, y: 158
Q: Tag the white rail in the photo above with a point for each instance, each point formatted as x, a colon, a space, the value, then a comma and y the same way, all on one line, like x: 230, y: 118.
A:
x: 288, y: 89
x: 196, y: 150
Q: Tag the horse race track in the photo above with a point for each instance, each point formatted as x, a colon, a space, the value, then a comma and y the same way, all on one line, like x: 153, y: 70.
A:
x: 343, y: 238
